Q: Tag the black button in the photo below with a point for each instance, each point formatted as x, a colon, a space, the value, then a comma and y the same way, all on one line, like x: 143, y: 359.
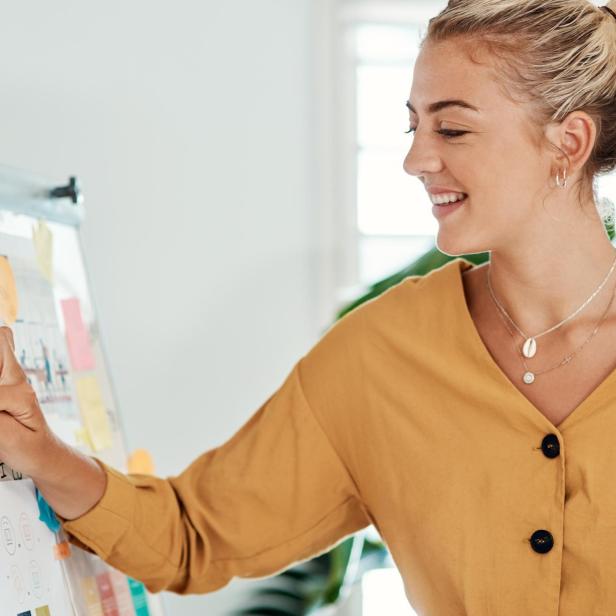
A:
x: 550, y: 446
x: 542, y: 541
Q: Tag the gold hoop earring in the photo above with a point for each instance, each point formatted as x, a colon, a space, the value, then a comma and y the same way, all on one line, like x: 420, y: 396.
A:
x: 564, y: 184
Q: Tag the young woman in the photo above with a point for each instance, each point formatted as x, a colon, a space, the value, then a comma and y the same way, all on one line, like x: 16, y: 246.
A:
x: 469, y: 414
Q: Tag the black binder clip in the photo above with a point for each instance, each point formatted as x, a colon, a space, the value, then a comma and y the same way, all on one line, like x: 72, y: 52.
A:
x: 70, y: 191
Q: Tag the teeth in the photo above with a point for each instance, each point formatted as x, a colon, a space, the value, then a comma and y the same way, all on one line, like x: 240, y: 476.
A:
x: 446, y: 198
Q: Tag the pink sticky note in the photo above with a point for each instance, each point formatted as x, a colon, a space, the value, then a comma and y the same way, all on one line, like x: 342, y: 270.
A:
x: 77, y: 337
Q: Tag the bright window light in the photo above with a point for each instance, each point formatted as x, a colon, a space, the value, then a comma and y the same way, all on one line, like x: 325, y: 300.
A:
x: 394, y: 218
x: 386, y: 43
x: 383, y: 593
x: 379, y: 257
x: 390, y: 202
x: 381, y: 115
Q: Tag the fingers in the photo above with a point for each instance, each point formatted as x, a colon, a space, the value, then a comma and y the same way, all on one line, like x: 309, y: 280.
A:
x: 6, y: 333
x: 10, y: 370
x: 16, y: 399
x: 12, y: 433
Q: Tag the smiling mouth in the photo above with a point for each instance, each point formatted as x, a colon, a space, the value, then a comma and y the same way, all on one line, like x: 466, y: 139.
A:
x: 450, y: 203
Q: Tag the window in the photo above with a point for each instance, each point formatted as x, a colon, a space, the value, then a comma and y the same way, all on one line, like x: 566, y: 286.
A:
x: 383, y: 593
x: 394, y: 219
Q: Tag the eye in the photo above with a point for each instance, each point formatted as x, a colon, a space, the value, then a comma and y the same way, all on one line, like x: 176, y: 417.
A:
x: 448, y: 134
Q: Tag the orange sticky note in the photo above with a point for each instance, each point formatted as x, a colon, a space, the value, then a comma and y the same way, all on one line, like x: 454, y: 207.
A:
x: 43, y: 244
x: 62, y: 550
x: 9, y: 302
x: 140, y: 462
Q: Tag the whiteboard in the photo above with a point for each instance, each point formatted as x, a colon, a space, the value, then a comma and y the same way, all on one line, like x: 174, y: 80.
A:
x: 58, y: 344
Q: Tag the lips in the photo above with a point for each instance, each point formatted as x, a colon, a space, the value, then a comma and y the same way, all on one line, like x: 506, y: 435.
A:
x: 439, y: 190
x: 447, y: 209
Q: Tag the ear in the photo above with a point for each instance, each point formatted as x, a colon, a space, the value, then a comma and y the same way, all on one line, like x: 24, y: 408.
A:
x: 575, y: 135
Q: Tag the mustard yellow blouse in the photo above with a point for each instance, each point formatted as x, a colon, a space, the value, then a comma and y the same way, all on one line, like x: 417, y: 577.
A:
x: 399, y: 417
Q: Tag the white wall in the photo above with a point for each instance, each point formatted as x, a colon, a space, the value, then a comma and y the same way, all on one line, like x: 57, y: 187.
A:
x: 189, y: 125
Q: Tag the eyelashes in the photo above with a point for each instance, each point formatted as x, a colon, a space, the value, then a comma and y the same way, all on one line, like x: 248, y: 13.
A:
x: 448, y: 134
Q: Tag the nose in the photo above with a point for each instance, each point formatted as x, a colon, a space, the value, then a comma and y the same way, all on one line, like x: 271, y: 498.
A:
x: 422, y: 158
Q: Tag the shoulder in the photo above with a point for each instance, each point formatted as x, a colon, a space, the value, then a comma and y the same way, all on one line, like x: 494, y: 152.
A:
x: 380, y: 336
x: 386, y: 336
x: 414, y: 307
x: 418, y: 295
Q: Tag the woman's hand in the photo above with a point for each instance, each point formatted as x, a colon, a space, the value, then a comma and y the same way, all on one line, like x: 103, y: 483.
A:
x: 25, y: 438
x: 70, y: 482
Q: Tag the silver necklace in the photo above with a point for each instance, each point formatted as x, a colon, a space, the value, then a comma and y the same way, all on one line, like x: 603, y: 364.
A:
x: 529, y: 376
x: 529, y: 348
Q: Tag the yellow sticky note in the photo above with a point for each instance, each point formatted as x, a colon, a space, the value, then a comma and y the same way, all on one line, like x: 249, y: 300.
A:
x: 140, y: 461
x: 43, y: 244
x: 93, y: 412
x: 92, y: 597
x: 83, y: 438
x: 9, y: 302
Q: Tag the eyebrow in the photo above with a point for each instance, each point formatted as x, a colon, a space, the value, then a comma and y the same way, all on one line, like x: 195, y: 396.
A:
x: 438, y: 105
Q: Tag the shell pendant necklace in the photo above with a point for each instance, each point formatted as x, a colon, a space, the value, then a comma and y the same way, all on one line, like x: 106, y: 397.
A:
x: 529, y: 376
x: 529, y: 348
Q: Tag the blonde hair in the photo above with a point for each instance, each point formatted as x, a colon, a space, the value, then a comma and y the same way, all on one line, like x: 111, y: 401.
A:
x: 556, y: 55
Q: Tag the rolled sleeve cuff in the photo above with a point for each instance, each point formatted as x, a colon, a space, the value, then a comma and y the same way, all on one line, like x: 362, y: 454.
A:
x: 101, y: 527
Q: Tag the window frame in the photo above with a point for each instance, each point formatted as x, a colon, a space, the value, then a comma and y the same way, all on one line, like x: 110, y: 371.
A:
x: 335, y: 138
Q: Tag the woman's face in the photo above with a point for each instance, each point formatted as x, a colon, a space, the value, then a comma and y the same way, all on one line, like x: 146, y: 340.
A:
x: 482, y: 147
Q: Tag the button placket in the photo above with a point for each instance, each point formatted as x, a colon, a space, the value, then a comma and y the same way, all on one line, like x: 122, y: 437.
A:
x: 542, y: 540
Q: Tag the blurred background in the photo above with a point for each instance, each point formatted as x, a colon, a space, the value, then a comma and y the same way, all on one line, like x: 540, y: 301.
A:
x: 242, y: 168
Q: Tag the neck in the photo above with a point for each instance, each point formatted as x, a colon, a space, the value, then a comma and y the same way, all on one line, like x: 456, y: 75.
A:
x: 544, y: 279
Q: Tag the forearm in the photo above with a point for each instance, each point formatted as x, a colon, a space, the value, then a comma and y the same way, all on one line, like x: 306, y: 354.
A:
x: 71, y: 482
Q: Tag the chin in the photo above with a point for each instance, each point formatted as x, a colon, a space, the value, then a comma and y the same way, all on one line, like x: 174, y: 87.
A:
x: 456, y: 245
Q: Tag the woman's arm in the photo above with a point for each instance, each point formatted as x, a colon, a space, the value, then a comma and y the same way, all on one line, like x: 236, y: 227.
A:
x: 277, y: 492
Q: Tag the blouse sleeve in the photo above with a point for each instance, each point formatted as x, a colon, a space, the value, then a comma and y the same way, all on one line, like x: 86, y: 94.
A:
x: 276, y: 493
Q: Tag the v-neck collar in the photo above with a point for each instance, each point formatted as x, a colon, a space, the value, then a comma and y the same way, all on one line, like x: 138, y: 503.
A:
x: 594, y: 398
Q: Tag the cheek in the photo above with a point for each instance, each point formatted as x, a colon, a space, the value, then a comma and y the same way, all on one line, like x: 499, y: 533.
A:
x: 511, y: 170
x: 517, y: 158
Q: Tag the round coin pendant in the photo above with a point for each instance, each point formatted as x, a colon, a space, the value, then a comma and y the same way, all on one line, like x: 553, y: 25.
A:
x: 530, y: 348
x: 528, y: 377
